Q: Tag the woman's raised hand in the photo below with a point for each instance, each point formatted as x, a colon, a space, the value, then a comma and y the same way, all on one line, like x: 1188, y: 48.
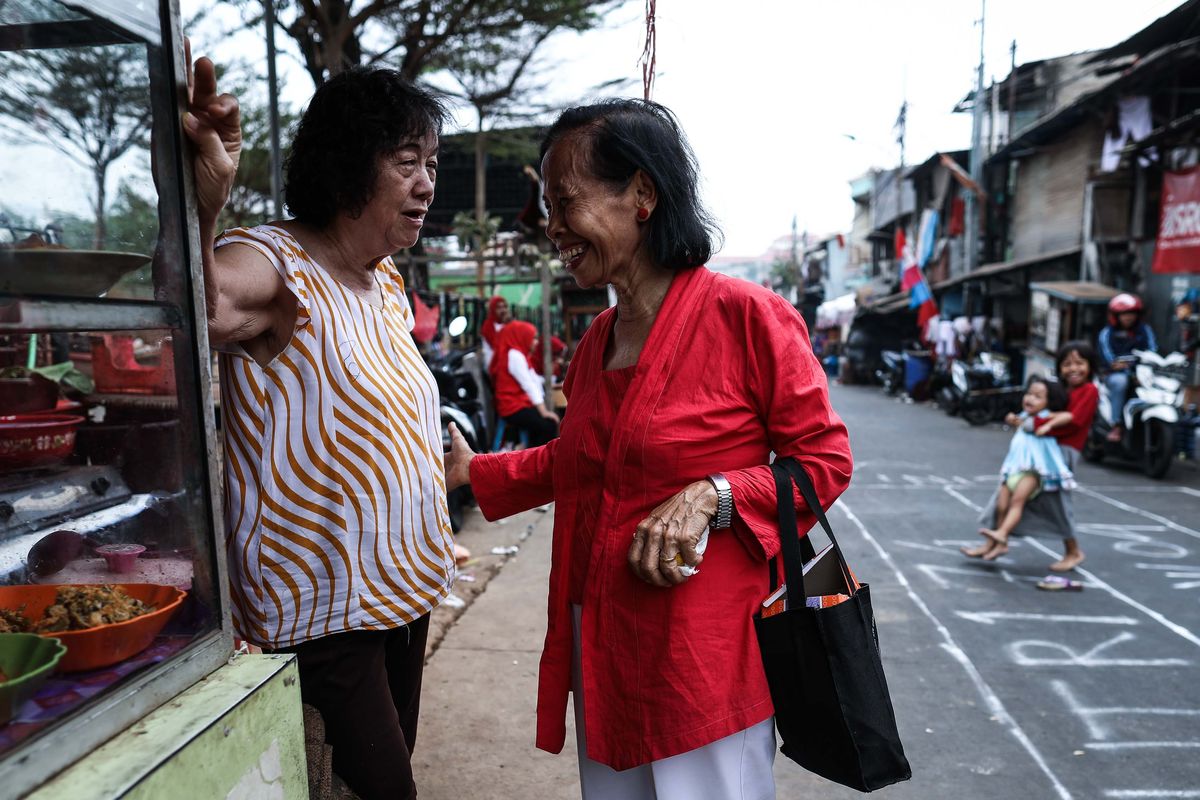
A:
x: 458, y: 460
x: 667, y: 539
x: 213, y: 123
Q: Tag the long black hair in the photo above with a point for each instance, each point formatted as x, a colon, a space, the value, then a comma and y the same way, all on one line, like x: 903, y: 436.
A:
x: 624, y: 136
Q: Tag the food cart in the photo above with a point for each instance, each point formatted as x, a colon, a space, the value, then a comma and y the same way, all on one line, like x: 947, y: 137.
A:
x: 1060, y: 311
x: 118, y: 676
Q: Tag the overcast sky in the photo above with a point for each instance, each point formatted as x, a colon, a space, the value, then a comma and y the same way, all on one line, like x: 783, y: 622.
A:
x: 768, y: 90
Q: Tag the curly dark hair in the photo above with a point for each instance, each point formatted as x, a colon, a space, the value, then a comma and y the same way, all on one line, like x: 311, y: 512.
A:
x: 352, y: 120
x: 624, y: 136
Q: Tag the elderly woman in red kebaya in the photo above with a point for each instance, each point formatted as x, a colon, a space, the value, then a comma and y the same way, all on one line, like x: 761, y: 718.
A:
x: 677, y: 398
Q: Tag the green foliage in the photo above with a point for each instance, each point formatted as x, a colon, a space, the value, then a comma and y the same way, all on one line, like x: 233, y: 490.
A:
x: 65, y: 375
x: 468, y: 231
x: 415, y: 36
x: 785, y: 275
x: 92, y: 104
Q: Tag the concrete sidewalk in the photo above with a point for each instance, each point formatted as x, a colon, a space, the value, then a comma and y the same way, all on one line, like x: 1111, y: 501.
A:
x: 477, y: 709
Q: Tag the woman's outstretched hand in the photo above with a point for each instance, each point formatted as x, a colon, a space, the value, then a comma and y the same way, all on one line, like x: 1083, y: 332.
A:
x: 458, y: 460
x: 673, y: 529
x: 213, y: 123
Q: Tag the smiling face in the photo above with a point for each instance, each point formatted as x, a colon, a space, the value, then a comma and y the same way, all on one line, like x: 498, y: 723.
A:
x: 593, y: 224
x: 403, y: 192
x: 1035, y: 399
x: 1074, y: 370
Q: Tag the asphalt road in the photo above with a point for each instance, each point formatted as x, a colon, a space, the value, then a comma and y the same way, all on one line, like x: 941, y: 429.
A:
x: 1003, y: 690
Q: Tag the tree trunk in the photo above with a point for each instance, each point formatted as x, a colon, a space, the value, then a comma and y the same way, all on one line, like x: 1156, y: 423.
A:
x: 100, y: 173
x: 480, y: 201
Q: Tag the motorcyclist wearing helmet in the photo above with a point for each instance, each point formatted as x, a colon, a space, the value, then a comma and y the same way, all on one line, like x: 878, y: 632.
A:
x: 1124, y: 333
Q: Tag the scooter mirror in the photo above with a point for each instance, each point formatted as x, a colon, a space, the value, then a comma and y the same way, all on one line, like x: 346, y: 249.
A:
x: 457, y: 326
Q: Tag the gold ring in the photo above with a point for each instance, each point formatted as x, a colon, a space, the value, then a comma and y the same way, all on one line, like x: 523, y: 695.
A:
x: 675, y: 559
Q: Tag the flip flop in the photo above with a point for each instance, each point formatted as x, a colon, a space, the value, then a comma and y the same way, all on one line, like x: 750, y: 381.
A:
x: 1057, y: 583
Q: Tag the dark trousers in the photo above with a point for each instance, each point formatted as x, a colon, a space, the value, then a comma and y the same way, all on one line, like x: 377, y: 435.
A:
x: 541, y: 429
x: 367, y: 686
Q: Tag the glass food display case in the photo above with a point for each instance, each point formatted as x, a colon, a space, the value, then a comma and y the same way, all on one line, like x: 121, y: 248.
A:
x: 108, y: 462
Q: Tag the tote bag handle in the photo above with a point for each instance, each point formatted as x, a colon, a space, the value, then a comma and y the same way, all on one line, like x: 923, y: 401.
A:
x: 794, y: 549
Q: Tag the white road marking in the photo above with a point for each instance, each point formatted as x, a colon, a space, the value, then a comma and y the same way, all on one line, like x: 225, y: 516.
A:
x: 1188, y: 490
x: 1087, y: 713
x: 1142, y: 745
x: 991, y: 700
x: 921, y: 546
x: 1093, y: 580
x: 932, y: 571
x: 1175, y: 526
x: 1018, y: 652
x: 957, y: 495
x: 989, y: 617
x: 1134, y: 794
x: 1099, y: 583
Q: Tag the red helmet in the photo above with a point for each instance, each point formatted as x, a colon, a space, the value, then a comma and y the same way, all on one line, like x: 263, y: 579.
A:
x: 1122, y: 304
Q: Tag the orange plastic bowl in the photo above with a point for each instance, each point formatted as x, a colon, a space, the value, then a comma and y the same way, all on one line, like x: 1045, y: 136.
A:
x: 103, y: 645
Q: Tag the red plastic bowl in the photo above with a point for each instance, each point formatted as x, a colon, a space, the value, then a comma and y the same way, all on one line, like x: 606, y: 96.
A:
x: 103, y: 645
x: 36, y: 440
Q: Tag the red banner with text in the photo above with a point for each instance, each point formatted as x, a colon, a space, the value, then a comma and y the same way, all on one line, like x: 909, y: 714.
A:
x: 1178, y: 247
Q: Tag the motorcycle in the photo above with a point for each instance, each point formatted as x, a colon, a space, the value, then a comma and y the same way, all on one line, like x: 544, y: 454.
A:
x: 890, y: 373
x: 1150, y: 415
x: 465, y: 401
x: 980, y: 390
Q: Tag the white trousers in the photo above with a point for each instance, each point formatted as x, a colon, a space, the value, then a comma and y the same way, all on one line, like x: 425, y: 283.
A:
x: 737, y: 767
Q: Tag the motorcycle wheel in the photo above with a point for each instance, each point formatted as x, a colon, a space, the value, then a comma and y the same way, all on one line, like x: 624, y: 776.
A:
x: 455, y: 503
x: 1093, y: 451
x: 977, y: 414
x: 1159, y: 448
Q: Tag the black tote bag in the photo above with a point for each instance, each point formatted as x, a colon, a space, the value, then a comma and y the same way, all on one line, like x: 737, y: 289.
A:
x: 832, y: 708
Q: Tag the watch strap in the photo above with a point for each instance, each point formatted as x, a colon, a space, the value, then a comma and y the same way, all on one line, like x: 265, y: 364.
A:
x: 724, y: 516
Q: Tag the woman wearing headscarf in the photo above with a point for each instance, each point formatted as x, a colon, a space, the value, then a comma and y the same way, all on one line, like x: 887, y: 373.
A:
x: 679, y: 396
x: 558, y: 349
x: 520, y: 391
x: 497, y: 317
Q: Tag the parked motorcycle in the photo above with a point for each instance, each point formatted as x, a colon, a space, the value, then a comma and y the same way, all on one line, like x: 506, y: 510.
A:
x: 980, y: 390
x: 465, y: 401
x: 890, y: 373
x: 1150, y: 415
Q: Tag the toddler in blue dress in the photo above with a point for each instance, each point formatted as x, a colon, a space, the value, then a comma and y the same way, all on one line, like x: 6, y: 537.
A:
x: 1034, y: 463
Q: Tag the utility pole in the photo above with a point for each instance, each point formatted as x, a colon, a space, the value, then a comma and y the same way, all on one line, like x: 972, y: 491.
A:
x: 273, y: 110
x: 972, y: 209
x: 901, y: 129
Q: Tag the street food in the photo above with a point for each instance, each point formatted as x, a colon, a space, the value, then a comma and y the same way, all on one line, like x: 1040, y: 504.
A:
x: 77, y: 608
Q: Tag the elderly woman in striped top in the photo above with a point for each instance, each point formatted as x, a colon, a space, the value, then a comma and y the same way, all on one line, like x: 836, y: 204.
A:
x: 337, y: 531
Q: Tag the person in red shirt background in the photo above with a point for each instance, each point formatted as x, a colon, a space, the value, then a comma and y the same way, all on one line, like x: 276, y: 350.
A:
x: 498, y: 316
x: 1053, y: 513
x: 520, y: 390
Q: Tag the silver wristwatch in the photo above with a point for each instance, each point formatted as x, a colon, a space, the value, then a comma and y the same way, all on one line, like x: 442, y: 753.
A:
x: 724, y: 516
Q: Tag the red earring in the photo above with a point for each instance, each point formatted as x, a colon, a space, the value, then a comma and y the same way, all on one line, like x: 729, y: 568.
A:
x: 643, y: 214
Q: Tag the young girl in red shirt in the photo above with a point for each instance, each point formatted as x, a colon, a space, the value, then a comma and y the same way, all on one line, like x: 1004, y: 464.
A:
x: 1053, y: 513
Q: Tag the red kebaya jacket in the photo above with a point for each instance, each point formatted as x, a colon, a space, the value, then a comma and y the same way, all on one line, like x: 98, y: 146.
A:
x: 726, y: 377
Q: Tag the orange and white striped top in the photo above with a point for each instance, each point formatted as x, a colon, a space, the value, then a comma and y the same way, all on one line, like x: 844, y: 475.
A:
x: 335, y: 497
